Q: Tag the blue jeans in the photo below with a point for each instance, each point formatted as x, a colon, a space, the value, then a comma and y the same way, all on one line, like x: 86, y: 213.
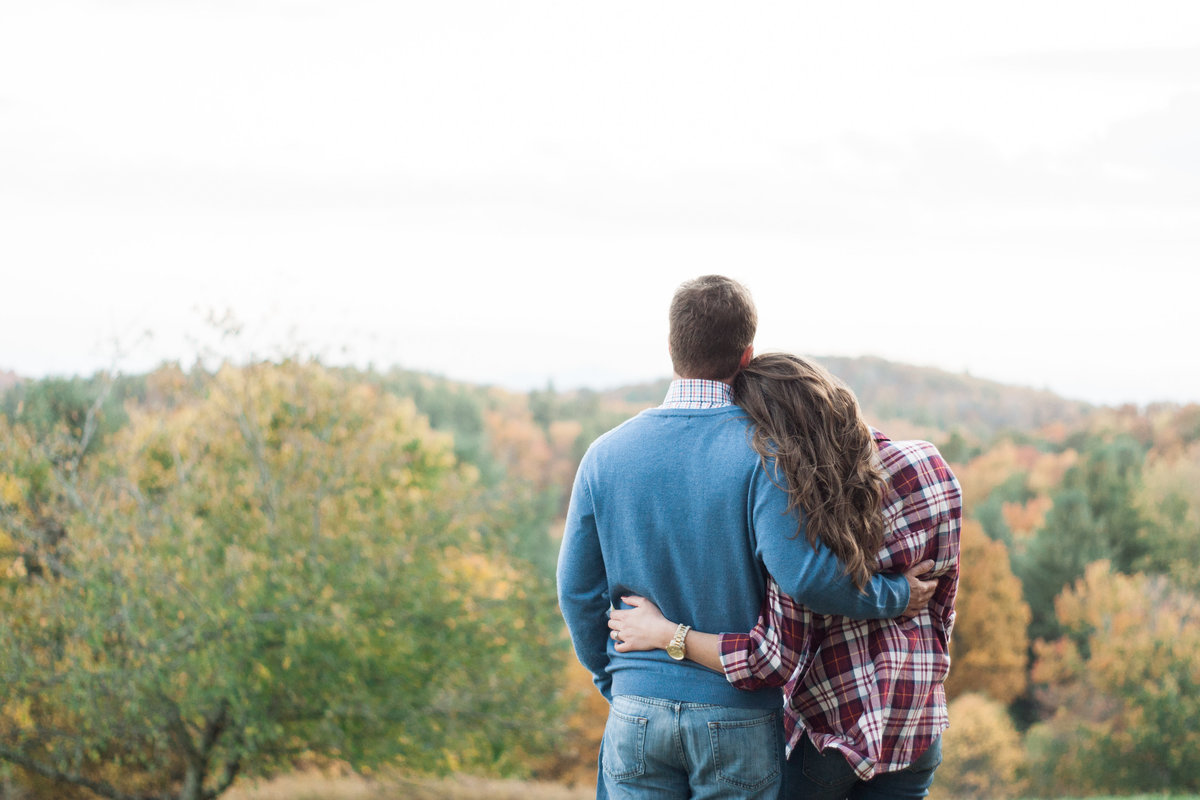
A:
x: 813, y: 775
x: 663, y: 749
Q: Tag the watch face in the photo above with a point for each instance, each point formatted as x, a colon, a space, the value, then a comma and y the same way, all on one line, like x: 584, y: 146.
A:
x: 675, y: 651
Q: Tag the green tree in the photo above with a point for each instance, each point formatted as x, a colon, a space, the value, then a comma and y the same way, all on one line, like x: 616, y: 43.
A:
x: 957, y: 450
x: 88, y: 408
x: 289, y: 562
x: 1095, y: 516
x: 452, y: 408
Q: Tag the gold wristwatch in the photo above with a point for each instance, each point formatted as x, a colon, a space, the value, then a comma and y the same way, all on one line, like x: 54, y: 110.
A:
x: 677, y: 649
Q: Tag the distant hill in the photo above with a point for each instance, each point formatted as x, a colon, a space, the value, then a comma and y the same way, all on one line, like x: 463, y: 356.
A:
x: 907, y: 400
x: 904, y: 400
x: 952, y: 402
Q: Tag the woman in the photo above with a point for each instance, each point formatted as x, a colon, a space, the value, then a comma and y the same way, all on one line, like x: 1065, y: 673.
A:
x: 868, y: 694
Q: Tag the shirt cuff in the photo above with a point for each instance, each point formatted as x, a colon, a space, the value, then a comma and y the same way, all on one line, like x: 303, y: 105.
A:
x: 735, y: 648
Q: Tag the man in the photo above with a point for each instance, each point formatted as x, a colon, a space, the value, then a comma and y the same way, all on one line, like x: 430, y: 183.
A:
x: 677, y: 492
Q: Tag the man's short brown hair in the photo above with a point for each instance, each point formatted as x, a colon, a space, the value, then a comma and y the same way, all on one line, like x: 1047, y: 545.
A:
x: 713, y: 321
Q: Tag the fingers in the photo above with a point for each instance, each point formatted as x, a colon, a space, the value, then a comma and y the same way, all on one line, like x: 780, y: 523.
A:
x: 925, y: 591
x: 921, y: 568
x: 920, y: 592
x: 632, y: 623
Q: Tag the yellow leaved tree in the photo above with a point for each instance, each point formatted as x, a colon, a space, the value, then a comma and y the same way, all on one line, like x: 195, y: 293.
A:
x: 982, y: 755
x: 265, y: 562
x: 989, y: 647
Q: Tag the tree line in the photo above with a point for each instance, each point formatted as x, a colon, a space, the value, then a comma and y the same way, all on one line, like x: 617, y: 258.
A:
x: 207, y: 575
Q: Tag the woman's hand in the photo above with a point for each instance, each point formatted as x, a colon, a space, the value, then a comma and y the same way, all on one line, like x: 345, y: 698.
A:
x: 642, y: 627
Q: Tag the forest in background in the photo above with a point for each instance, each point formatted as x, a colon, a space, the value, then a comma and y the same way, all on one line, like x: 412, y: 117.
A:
x: 208, y: 575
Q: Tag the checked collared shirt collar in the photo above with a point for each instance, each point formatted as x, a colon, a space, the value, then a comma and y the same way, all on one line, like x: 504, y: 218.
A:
x: 697, y: 393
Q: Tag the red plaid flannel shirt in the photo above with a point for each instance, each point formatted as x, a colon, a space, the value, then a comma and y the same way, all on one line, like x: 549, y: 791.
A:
x: 872, y: 689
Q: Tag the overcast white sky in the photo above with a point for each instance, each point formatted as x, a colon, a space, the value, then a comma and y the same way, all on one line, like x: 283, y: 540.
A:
x: 510, y: 191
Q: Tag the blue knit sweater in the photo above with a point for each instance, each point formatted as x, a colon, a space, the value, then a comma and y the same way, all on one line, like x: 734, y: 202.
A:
x: 676, y: 506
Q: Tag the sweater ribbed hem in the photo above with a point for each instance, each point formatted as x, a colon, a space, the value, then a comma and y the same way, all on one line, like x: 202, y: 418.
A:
x: 677, y: 687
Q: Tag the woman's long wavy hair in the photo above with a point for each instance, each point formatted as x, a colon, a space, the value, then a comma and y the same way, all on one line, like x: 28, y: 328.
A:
x: 808, y: 422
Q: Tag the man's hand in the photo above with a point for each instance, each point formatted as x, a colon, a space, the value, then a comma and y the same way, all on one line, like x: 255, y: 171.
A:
x: 919, y: 592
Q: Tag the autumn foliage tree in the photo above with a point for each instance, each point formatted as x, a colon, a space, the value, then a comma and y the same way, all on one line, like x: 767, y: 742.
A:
x: 989, y: 647
x: 1124, y: 686
x: 282, y: 562
x: 1169, y: 502
x: 982, y: 756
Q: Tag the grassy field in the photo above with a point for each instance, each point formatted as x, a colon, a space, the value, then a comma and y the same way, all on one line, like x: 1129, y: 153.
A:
x: 320, y: 786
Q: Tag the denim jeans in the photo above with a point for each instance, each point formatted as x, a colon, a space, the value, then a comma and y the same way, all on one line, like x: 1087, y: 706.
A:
x: 665, y: 749
x: 813, y: 775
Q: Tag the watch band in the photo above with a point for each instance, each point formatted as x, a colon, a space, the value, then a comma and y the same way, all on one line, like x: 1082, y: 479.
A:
x: 677, y: 649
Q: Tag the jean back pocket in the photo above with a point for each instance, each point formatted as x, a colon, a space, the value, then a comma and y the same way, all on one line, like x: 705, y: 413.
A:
x: 624, y: 748
x: 746, y: 752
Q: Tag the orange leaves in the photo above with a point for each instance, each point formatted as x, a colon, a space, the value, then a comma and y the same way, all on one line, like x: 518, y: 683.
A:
x: 520, y: 445
x: 1043, y: 473
x: 16, y: 568
x: 540, y: 457
x: 987, y: 471
x: 1126, y: 620
x: 1047, y: 470
x: 1025, y: 518
x: 989, y: 643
